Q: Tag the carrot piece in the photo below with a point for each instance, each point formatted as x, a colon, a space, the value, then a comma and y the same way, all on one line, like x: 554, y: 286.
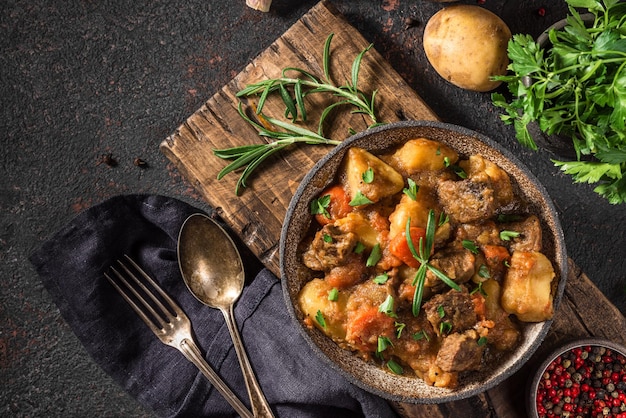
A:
x: 366, y: 325
x: 399, y: 246
x: 479, y: 305
x: 339, y: 206
x: 495, y: 255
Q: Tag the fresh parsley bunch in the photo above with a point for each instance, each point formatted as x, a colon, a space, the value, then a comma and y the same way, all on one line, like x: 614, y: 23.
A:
x: 576, y: 87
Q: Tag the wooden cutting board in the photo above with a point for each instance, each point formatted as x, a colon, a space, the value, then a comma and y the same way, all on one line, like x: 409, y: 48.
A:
x: 257, y: 214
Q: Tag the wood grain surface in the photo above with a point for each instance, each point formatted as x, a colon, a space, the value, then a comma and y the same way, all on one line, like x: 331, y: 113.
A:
x: 257, y: 215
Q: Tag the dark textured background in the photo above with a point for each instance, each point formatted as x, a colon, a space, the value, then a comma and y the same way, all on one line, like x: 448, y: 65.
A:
x: 83, y: 79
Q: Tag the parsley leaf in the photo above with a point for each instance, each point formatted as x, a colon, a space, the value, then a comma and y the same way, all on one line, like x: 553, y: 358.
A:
x: 508, y: 235
x: 412, y: 190
x: 374, y: 256
x: 320, y: 206
x: 575, y: 86
x: 360, y: 199
x: 368, y: 176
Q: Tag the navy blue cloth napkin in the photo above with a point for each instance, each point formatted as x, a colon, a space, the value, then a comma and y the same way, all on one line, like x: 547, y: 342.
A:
x: 71, y: 265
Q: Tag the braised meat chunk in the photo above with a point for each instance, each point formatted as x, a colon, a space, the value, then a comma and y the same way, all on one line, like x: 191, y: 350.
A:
x: 460, y: 352
x: 529, y: 230
x: 456, y: 263
x: 467, y: 201
x: 451, y: 312
x: 330, y: 248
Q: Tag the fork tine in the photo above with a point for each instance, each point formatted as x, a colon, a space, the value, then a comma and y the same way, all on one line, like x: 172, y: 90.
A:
x: 131, y: 302
x: 159, y: 319
x: 173, y: 306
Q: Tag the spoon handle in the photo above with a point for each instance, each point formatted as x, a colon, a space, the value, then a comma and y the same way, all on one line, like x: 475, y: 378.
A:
x: 192, y: 352
x: 260, y: 406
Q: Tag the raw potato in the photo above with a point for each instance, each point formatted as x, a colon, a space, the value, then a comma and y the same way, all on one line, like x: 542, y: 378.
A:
x: 467, y: 45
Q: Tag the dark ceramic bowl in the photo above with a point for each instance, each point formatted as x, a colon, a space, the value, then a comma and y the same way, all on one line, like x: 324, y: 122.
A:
x: 294, y: 274
x: 566, y: 352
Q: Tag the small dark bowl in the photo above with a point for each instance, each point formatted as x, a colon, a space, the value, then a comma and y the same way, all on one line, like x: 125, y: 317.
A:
x: 294, y: 274
x: 534, y: 384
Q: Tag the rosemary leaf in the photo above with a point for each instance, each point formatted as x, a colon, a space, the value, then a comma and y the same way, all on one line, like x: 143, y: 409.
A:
x: 291, y: 112
x: 420, y: 278
x: 442, y: 276
x: 326, y: 57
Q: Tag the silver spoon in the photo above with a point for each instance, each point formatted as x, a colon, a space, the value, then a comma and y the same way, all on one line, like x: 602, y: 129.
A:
x: 212, y: 270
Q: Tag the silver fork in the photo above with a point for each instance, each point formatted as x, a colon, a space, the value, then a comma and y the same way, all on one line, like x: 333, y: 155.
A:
x: 169, y: 323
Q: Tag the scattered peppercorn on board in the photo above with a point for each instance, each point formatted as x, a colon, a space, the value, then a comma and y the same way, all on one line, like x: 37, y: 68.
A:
x: 256, y: 216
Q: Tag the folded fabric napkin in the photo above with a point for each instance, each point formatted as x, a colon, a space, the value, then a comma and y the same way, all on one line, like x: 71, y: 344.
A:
x: 71, y: 265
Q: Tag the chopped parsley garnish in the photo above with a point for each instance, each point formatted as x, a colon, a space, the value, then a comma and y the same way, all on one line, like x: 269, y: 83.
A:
x: 387, y: 307
x: 399, y: 328
x: 479, y: 289
x: 482, y: 341
x: 470, y: 246
x: 359, y: 248
x: 395, y: 367
x: 412, y: 190
x: 368, y: 176
x: 381, y: 278
x: 320, y: 206
x: 421, y: 335
x: 459, y: 171
x: 508, y: 235
x: 319, y: 317
x: 383, y: 344
x: 374, y: 256
x: 483, y: 272
x: 333, y: 294
x: 360, y: 199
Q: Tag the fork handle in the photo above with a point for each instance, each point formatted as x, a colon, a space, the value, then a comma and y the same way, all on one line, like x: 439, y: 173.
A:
x: 192, y: 353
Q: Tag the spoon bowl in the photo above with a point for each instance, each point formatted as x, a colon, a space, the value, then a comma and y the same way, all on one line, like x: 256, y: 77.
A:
x: 209, y: 262
x: 212, y: 269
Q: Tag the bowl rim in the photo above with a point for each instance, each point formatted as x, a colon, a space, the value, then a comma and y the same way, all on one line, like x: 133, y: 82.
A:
x: 533, y: 383
x: 559, y: 239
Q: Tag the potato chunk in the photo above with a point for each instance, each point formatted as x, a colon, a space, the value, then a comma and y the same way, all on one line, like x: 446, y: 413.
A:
x: 417, y: 210
x: 386, y: 181
x: 313, y: 298
x: 359, y: 225
x: 527, y: 287
x: 423, y: 154
x: 482, y: 170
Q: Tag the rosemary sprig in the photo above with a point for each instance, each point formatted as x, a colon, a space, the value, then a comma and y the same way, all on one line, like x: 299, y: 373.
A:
x: 293, y: 91
x: 422, y: 254
x: 251, y: 156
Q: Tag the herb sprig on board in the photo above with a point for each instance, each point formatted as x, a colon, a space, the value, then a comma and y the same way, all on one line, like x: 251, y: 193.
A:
x: 293, y: 91
x: 577, y: 89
